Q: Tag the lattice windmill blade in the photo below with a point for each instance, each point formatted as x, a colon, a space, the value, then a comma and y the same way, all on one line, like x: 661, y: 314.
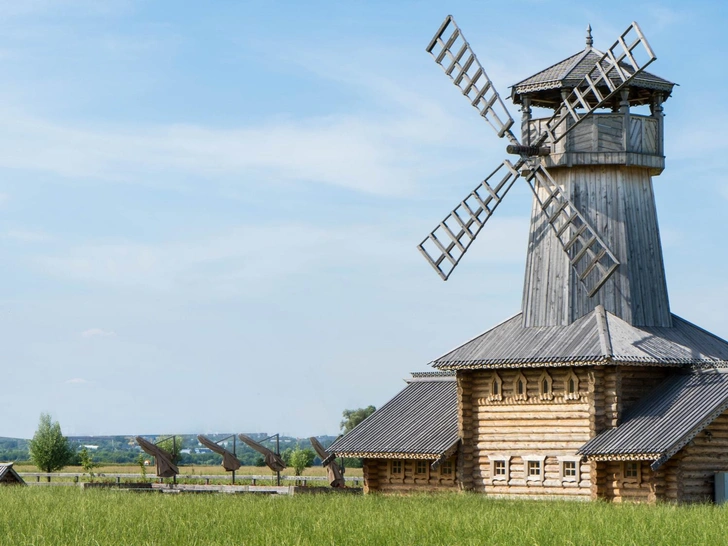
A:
x: 590, y: 257
x: 615, y: 70
x: 447, y: 243
x: 453, y: 53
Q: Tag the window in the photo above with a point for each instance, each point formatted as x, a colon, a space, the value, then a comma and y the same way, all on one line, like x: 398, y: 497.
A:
x: 496, y: 388
x: 545, y: 386
x: 520, y: 385
x: 533, y: 467
x: 446, y: 468
x: 421, y: 468
x: 396, y: 468
x: 631, y: 471
x: 499, y: 468
x: 571, y: 386
x: 569, y: 468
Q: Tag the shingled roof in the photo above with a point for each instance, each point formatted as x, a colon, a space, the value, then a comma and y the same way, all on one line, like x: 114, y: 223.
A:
x: 666, y: 420
x: 599, y: 337
x: 420, y: 422
x: 544, y: 87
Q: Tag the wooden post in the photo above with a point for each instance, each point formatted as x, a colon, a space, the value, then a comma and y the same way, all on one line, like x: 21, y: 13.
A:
x: 624, y: 110
x: 658, y: 114
x: 526, y: 120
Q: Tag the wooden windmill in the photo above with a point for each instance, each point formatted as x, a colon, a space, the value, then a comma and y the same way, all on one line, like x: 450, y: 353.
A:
x: 594, y: 237
x: 594, y: 390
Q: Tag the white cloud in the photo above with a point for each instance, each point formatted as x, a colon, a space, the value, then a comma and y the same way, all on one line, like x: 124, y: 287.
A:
x: 97, y: 332
x: 26, y: 236
x: 384, y: 155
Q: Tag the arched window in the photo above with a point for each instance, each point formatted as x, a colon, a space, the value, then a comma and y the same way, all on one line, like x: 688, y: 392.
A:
x: 496, y: 388
x: 545, y: 384
x: 571, y: 386
x: 520, y: 387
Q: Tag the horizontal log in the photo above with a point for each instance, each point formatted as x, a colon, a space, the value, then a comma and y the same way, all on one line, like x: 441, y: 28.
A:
x: 526, y: 447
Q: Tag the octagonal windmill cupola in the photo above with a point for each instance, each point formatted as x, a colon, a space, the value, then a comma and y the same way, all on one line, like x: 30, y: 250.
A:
x: 594, y: 237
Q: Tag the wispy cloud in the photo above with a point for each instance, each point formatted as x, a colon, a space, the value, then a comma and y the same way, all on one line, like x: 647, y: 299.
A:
x: 97, y: 332
x: 381, y: 156
x: 26, y: 236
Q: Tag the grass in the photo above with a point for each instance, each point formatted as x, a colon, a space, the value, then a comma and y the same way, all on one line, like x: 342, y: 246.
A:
x: 68, y: 516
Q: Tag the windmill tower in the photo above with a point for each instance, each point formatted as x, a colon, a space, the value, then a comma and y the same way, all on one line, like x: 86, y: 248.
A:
x: 594, y: 238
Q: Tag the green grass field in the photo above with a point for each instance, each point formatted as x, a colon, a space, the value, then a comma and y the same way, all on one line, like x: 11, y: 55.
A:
x: 67, y: 515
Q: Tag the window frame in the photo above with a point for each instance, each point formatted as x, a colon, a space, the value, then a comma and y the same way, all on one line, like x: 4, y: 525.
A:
x: 546, y: 394
x: 506, y: 459
x: 563, y: 459
x: 522, y: 378
x: 571, y: 376
x: 394, y: 474
x: 537, y: 478
x: 497, y: 382
x: 426, y: 473
x: 447, y: 464
x: 632, y: 479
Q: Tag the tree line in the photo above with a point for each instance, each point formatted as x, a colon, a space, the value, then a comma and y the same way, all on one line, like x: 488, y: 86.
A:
x: 50, y: 451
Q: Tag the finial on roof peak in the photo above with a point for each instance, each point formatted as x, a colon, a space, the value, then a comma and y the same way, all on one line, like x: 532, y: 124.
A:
x: 589, y: 41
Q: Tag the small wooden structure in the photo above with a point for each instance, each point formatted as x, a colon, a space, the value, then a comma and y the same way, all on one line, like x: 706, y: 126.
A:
x: 411, y: 442
x: 595, y: 389
x: 8, y: 475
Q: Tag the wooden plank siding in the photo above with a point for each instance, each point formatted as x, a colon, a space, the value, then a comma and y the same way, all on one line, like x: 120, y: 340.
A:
x: 620, y: 203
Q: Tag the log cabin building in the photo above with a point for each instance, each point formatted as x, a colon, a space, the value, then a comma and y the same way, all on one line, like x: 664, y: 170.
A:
x: 605, y: 395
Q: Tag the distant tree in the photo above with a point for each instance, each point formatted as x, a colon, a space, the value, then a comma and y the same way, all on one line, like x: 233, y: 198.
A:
x: 49, y: 448
x: 300, y: 459
x: 87, y: 463
x: 173, y: 446
x: 353, y: 417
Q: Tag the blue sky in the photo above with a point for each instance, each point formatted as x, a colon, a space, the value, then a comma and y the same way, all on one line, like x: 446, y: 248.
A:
x: 208, y: 210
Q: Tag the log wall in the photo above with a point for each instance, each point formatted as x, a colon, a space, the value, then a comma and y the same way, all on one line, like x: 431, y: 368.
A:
x: 378, y: 477
x: 705, y: 455
x: 520, y: 427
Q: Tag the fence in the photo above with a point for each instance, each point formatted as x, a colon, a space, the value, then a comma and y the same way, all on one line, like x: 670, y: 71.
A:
x: 71, y: 478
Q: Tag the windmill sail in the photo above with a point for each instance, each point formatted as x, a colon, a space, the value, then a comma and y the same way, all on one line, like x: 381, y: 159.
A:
x: 336, y: 478
x: 447, y: 243
x: 229, y: 461
x: 165, y: 466
x: 453, y: 53
x: 272, y: 460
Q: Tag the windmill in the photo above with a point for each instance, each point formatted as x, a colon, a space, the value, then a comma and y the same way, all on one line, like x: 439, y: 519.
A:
x: 591, y: 259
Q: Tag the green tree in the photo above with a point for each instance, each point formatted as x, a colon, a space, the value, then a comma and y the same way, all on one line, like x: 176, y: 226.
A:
x: 300, y: 459
x: 353, y: 417
x: 49, y: 448
x: 87, y: 462
x: 173, y: 446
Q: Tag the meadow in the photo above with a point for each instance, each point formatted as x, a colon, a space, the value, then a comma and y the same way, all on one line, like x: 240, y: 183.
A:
x: 68, y: 515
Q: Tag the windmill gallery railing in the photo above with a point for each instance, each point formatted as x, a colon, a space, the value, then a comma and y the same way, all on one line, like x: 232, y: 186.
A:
x: 602, y: 137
